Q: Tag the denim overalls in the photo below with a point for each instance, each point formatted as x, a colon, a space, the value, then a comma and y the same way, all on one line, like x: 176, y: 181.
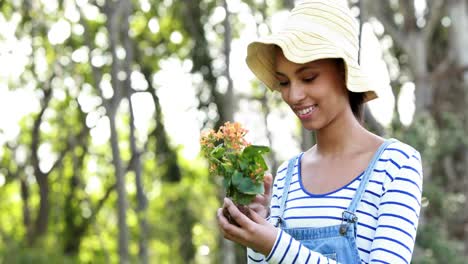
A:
x: 336, y: 242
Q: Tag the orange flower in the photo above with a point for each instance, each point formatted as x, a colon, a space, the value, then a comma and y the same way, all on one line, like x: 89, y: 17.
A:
x: 213, y: 167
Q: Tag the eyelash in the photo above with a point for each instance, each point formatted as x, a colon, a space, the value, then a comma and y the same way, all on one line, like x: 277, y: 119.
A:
x: 306, y: 80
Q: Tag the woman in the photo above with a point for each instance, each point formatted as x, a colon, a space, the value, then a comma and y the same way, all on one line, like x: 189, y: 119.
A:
x: 354, y: 197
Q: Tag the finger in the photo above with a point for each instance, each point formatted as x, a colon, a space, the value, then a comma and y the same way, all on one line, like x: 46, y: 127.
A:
x: 230, y: 231
x: 257, y: 218
x: 223, y: 223
x: 256, y: 206
x: 259, y: 198
x: 267, y: 183
x: 237, y: 215
x: 220, y: 217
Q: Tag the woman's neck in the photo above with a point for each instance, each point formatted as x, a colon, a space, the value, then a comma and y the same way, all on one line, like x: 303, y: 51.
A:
x: 342, y: 136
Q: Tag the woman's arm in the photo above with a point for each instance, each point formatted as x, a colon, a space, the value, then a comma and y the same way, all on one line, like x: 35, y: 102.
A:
x: 261, y: 236
x: 283, y: 251
x: 399, y: 210
x: 395, y: 231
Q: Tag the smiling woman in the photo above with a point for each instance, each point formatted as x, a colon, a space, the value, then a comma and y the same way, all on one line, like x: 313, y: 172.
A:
x: 354, y: 197
x: 314, y: 78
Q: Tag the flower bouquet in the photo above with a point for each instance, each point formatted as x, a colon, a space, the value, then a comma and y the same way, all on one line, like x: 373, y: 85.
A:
x: 241, y: 164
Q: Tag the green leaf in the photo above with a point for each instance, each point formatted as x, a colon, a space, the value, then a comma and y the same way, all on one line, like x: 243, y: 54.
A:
x: 247, y: 186
x: 261, y: 161
x: 228, y: 168
x: 255, y: 149
x: 243, y: 164
x: 243, y: 199
x: 237, y: 178
x: 226, y: 182
x: 218, y: 151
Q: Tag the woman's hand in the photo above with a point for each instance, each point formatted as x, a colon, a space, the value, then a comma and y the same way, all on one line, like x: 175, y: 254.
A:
x: 254, y: 232
x: 261, y: 203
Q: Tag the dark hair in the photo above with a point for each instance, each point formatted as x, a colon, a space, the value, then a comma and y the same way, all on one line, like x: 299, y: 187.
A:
x: 356, y: 100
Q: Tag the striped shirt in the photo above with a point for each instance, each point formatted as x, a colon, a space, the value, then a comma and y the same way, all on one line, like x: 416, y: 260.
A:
x: 387, y: 214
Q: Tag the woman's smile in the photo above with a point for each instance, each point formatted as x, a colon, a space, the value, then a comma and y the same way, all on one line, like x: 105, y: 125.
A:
x: 306, y: 112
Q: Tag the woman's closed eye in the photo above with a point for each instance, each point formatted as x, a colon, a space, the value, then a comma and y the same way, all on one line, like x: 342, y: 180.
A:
x: 309, y: 79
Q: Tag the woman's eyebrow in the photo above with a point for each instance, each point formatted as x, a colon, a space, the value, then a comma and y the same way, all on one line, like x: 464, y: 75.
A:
x: 280, y: 73
x: 303, y: 68
x: 298, y: 71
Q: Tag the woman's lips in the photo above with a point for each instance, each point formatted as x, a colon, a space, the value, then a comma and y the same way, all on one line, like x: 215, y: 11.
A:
x: 305, y: 113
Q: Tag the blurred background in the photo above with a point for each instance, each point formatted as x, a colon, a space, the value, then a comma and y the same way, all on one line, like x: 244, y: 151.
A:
x: 102, y: 103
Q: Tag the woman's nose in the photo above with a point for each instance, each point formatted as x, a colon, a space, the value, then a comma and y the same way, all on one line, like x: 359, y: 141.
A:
x: 296, y: 92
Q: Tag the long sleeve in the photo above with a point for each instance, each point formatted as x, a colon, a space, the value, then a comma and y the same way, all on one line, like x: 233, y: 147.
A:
x: 399, y: 214
x: 396, y: 188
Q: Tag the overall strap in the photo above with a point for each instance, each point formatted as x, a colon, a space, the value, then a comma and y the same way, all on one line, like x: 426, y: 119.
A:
x: 349, y: 214
x: 287, y: 183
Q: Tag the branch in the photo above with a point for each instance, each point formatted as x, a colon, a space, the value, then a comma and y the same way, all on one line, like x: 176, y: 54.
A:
x: 98, y: 207
x: 71, y: 144
x: 101, y: 8
x: 380, y: 12
x: 101, y: 202
x: 113, y: 23
x: 36, y: 130
x: 433, y: 18
x: 96, y: 72
x: 443, y: 67
x: 409, y: 15
x: 449, y: 73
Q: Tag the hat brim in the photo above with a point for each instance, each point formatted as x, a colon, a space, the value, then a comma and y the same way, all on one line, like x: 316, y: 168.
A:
x: 301, y: 47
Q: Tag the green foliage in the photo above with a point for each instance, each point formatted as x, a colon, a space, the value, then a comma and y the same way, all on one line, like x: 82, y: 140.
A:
x: 241, y: 165
x: 440, y: 250
x: 23, y: 255
x: 440, y: 206
x: 180, y: 214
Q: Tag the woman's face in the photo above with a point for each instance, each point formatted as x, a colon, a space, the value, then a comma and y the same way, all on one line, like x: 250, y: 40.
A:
x: 315, y: 91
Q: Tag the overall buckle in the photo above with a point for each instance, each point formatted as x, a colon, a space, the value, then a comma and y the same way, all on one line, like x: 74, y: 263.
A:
x: 344, y: 226
x: 278, y: 222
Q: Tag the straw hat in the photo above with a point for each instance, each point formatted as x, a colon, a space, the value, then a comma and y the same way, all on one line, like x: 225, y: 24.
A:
x: 315, y: 29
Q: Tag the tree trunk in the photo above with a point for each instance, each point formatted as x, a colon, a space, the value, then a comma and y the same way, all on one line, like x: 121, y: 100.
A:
x: 419, y: 64
x: 43, y: 214
x: 76, y: 224
x: 458, y: 12
x: 229, y: 255
x: 230, y: 102
x: 121, y: 192
x: 26, y: 210
x: 266, y: 111
x: 73, y: 232
x: 42, y: 218
x: 202, y: 61
x: 114, y: 16
x: 135, y: 165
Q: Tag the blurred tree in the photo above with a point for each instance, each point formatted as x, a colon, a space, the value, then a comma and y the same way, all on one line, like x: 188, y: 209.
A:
x: 63, y: 177
x: 425, y: 46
